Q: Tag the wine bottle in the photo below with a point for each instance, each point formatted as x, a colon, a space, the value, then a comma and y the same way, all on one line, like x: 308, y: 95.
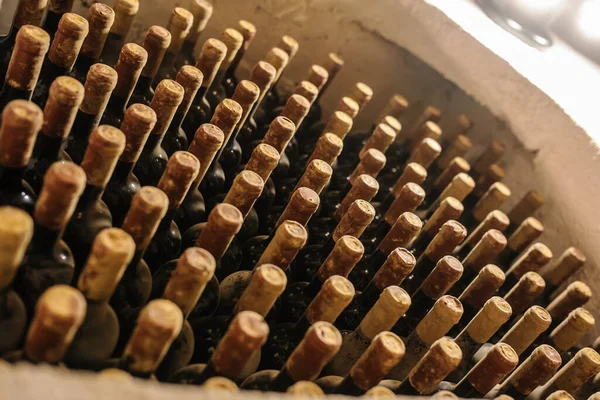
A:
x: 99, y: 84
x: 219, y: 383
x: 179, y: 26
x: 429, y: 130
x: 21, y: 121
x: 492, y: 200
x: 491, y: 155
x: 430, y: 113
x: 529, y: 231
x: 533, y: 259
x: 263, y: 161
x: 95, y: 341
x: 569, y: 262
x: 56, y: 10
x: 316, y: 176
x: 570, y: 331
x: 48, y: 260
x: 574, y: 374
x: 522, y: 295
x: 302, y: 205
x: 494, y: 220
x: 590, y: 388
x: 412, y: 172
x: 526, y: 330
x: 216, y: 92
x: 202, y: 10
x: 458, y: 147
x: 306, y: 389
x: 125, y: 12
x: 452, y: 181
x: 15, y: 235
x: 577, y: 294
x: 329, y: 145
x: 525, y: 208
x: 362, y: 94
x: 248, y: 31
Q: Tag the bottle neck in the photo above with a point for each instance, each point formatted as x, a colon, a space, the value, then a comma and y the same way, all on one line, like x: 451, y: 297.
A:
x: 122, y: 172
x: 51, y: 23
x: 464, y: 389
x: 348, y: 387
x: 281, y: 382
x: 235, y: 63
x: 45, y: 239
x: 90, y: 195
x: 84, y: 125
x: 369, y: 296
x: 187, y: 51
x: 10, y: 93
x: 177, y: 121
x: 424, y: 304
x: 51, y: 71
x: 143, y: 87
x: 11, y: 177
x: 218, y: 81
x: 47, y: 148
x: 200, y: 96
x: 83, y: 64
x: 116, y: 105
x: 165, y: 223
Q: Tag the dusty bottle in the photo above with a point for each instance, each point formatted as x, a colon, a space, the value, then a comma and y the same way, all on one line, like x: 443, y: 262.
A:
x: 525, y: 331
x: 569, y: 262
x: 577, y: 294
x: 528, y: 232
x: 125, y: 12
x: 494, y: 220
x: 202, y: 11
x: 56, y: 10
x: 233, y: 40
x: 248, y: 32
x: 575, y: 373
x: 179, y: 26
x: 525, y: 208
x: 533, y: 259
x: 492, y: 200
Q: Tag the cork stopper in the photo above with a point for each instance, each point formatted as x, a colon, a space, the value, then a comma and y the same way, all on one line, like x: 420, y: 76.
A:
x: 347, y: 251
x: 227, y: 114
x: 392, y: 123
x: 448, y: 237
x: 449, y: 209
x: 456, y: 166
x: 494, y: 220
x: 306, y: 389
x: 248, y: 31
x: 316, y: 175
x: 584, y: 365
x: 289, y: 45
x: 158, y: 324
x: 459, y: 147
x: 125, y: 12
x: 408, y: 199
x: 208, y: 139
x: 179, y: 26
x: 64, y: 49
x: 137, y: 124
x: 412, y: 172
x: 371, y: 163
x: 484, y: 286
x: 464, y: 124
x: 263, y: 160
x: 459, y: 188
x: 246, y: 93
x: 571, y: 330
x: 381, y: 139
x: 115, y: 374
x: 224, y: 222
x: 359, y: 215
x: 365, y: 188
x: 522, y: 295
x: 429, y: 130
x: 302, y: 205
x: 335, y: 295
x: 577, y: 294
x: 208, y: 62
x: 167, y: 97
x: 100, y: 19
x: 485, y: 251
x: 391, y: 305
x: 529, y: 230
x: 317, y: 76
x: 395, y: 106
x: 267, y: 283
x: 279, y: 59
x: 339, y: 123
x: 59, y: 313
x: 328, y: 148
x: 289, y: 238
x: 426, y: 152
x: 105, y: 145
x: 446, y: 395
x: 148, y: 207
x: 494, y: 313
x: 491, y: 155
x: 29, y: 13
x: 245, y: 189
x: 233, y: 40
x: 444, y: 314
x: 446, y: 273
x: 21, y: 122
x: 333, y: 65
x: 307, y: 90
x: 64, y: 99
x: 493, y: 199
x: 280, y: 133
x: 31, y: 45
x: 385, y: 351
x: 536, y: 256
x: 16, y: 232
x: 111, y: 252
x: 362, y: 94
x: 156, y: 43
x: 397, y: 266
x: 263, y: 75
x: 493, y: 174
x: 560, y: 395
x: 194, y: 269
x: 348, y: 106
x: 430, y: 113
x: 528, y: 205
x: 219, y: 383
x: 380, y: 392
x: 296, y: 108
x: 442, y: 358
x: 132, y: 60
x: 179, y: 174
x: 536, y: 370
x: 524, y: 332
x: 202, y: 10
x: 99, y: 84
x: 402, y: 233
x: 569, y: 262
x: 63, y: 184
x: 493, y: 368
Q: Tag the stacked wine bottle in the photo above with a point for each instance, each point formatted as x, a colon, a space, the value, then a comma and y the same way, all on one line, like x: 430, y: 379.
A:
x: 163, y: 218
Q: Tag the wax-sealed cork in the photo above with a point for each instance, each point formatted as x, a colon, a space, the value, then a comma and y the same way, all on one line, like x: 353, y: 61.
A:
x: 137, y: 124
x: 391, y: 305
x: 167, y: 97
x: 571, y: 377
x: 385, y: 351
x: 245, y: 189
x: 442, y: 358
x: 246, y: 94
x: 125, y: 12
x: 459, y: 147
x: 362, y: 94
x: 493, y: 368
x: 485, y: 251
x: 412, y: 172
x: 335, y: 295
x: 339, y: 123
x: 448, y: 237
x: 572, y: 329
x: 536, y: 256
x: 190, y: 78
x: 29, y: 12
x: 148, y: 207
x: 105, y: 145
x: 156, y: 43
x: 316, y: 176
x: 233, y: 40
x: 577, y: 294
x: 348, y: 106
x: 219, y: 383
x: 302, y: 205
x: 202, y: 10
x: 296, y: 108
x: 395, y: 107
x: 208, y: 139
x: 453, y: 168
x: 111, y: 252
x: 280, y: 133
x: 402, y: 232
x: 347, y: 251
x: 328, y: 148
x: 430, y: 113
x: 16, y: 232
x: 408, y: 199
x: 31, y: 45
x: 492, y: 200
x: 267, y: 283
x: 536, y: 370
x: 289, y: 238
x: 63, y: 184
x: 179, y: 26
x: 522, y: 295
x: 132, y: 60
x: 494, y: 313
x: 446, y: 273
x: 569, y: 262
x: 21, y: 122
x: 444, y: 314
x: 100, y: 19
x: 279, y: 59
x: 158, y: 324
x: 365, y: 188
x: 494, y: 220
x: 223, y: 223
x: 317, y: 75
x: 64, y: 99
x: 371, y: 163
x: 528, y: 205
x: 529, y: 230
x: 381, y: 139
x: 179, y: 174
x: 392, y: 123
x: 459, y: 188
x: 380, y: 392
x: 263, y: 75
x: 263, y: 160
x: 429, y: 130
x: 449, y: 209
x: 524, y: 332
x: 354, y: 222
x: 212, y: 55
x: 59, y: 313
x: 99, y: 84
x: 493, y: 174
x: 483, y: 286
x: 72, y: 30
x: 425, y: 153
x: 491, y: 155
x: 307, y: 90
x: 306, y: 389
x: 227, y: 114
x: 398, y: 265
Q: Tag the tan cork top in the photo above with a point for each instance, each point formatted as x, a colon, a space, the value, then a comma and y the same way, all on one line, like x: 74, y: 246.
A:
x: 179, y: 26
x: 444, y: 314
x: 156, y: 43
x: 412, y: 172
x: 267, y: 283
x: 302, y: 205
x: 392, y: 123
x: 280, y: 133
x: 226, y: 116
x: 99, y: 84
x: 179, y: 174
x: 100, y: 19
x: 446, y: 273
x: 307, y: 90
x: 494, y: 313
x: 64, y: 99
x: 316, y: 175
x: 167, y: 97
x: 245, y: 189
x: 395, y: 106
x: 491, y: 155
x: 248, y: 31
x: 560, y: 395
x: 191, y: 79
x: 576, y: 372
x: 493, y: 174
x: 362, y: 94
x: 219, y: 383
x: 380, y: 392
x: 208, y: 139
x: 105, y: 145
x: 224, y: 222
x: 306, y: 389
x: 246, y: 93
x: 263, y: 160
x: 29, y: 12
x: 529, y: 230
x: 16, y: 232
x: 289, y: 45
x: 31, y: 45
x: 536, y: 370
x: 534, y: 258
x: 452, y: 169
x: 365, y: 187
x: 64, y: 49
x: 426, y: 152
x: 448, y: 237
x: 212, y: 55
x: 148, y: 207
x: 262, y: 75
x: 459, y: 147
x: 492, y: 200
x: 385, y: 351
x: 279, y: 59
x: 528, y: 205
x: 202, y: 10
x: 524, y: 332
x: 494, y: 220
x: 233, y: 40
x: 132, y: 60
x: 577, y: 294
x: 125, y: 12
x: 317, y: 75
x: 493, y: 368
x: 464, y: 124
x: 333, y: 64
x: 402, y: 233
x: 347, y: 251
x: 486, y: 250
x: 522, y: 295
x: 335, y: 295
x: 445, y: 395
x: 442, y: 358
x: 408, y: 199
x: 328, y: 148
x: 572, y: 329
x: 21, y: 122
x: 391, y: 305
x: 289, y: 238
x: 569, y: 262
x: 354, y: 222
x: 371, y: 163
x: 339, y: 123
x: 138, y: 122
x: 348, y: 106
x: 459, y: 188
x: 449, y: 209
x: 429, y: 130
x: 115, y: 374
x: 485, y: 285
x: 397, y: 266
x: 296, y: 108
x: 381, y: 139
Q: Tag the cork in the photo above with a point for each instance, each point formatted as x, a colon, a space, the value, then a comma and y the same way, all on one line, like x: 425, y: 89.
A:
x: 446, y: 273
x: 524, y: 332
x: 392, y: 123
x: 16, y: 232
x: 371, y: 163
x: 442, y: 358
x: 320, y: 343
x: 280, y: 133
x: 246, y: 93
x: 412, y: 172
x: 179, y: 174
x: 429, y: 130
x: 194, y: 269
x: 99, y: 84
x: 503, y: 397
x: 316, y: 175
x: 408, y: 199
x: 333, y: 65
x: 529, y: 230
x: 494, y: 220
x: 248, y: 31
x: 30, y: 12
x: 397, y: 266
x: 179, y: 27
x: 63, y: 184
x: 380, y: 392
x: 426, y: 152
x: 381, y: 139
x: 449, y: 209
x: 317, y: 75
x: 219, y: 383
x: 302, y: 205
x: 64, y: 98
x: 202, y: 10
x: 158, y: 324
x: 224, y: 222
x: 289, y: 45
x: 491, y: 155
x: 391, y: 305
x: 132, y: 60
x: 522, y: 295
x: 289, y: 238
x: 263, y: 160
x: 208, y: 139
x: 263, y: 75
x: 100, y: 19
x: 279, y: 59
x: 459, y: 147
x: 493, y: 174
x: 226, y: 116
x: 577, y: 294
x: 453, y: 168
x: 402, y: 233
x: 190, y: 78
x: 347, y: 251
x: 296, y: 108
x: 137, y: 124
x: 444, y: 395
x: 493, y: 368
x: 430, y: 113
x: 64, y: 49
x: 484, y: 286
x: 572, y: 329
x: 362, y: 94
x: 105, y: 145
x: 534, y: 258
x: 306, y: 389
x: 339, y: 123
x: 148, y: 207
x: 348, y: 106
x: 560, y: 395
x: 444, y: 314
x: 448, y: 237
x: 21, y: 122
x: 493, y: 199
x: 307, y: 90
x: 167, y: 97
x: 111, y: 252
x: 335, y: 295
x: 395, y: 107
x: 536, y: 370
x: 328, y: 148
x: 125, y: 12
x: 115, y: 374
x: 485, y: 251
x: 569, y: 262
x: 267, y: 283
x: 385, y: 351
x: 494, y: 313
x: 156, y: 43
x: 584, y: 365
x: 233, y: 40
x: 459, y: 188
x: 31, y: 45
x: 245, y: 189
x: 209, y: 61
x: 365, y: 188
x: 464, y: 123
x: 354, y: 222
x: 528, y: 205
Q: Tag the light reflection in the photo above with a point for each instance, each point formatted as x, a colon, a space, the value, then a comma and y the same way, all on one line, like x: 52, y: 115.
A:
x: 588, y: 18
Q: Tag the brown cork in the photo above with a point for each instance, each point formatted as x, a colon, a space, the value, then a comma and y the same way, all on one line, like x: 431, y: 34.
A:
x: 63, y: 184
x: 167, y: 97
x: 307, y: 90
x: 465, y: 124
x: 529, y: 230
x: 316, y: 176
x: 391, y: 305
x: 317, y: 75
x: 296, y: 108
x: 115, y: 374
x: 408, y: 199
x: 263, y: 160
x: 99, y: 84
x: 491, y: 155
x: 100, y: 19
x: 354, y: 222
x: 263, y: 75
x: 289, y: 238
x: 328, y: 148
x: 105, y: 145
x: 208, y: 139
x: 459, y: 147
x: 536, y: 370
x: 577, y: 294
x: 371, y: 163
x: 534, y: 258
x: 494, y: 220
x: 448, y: 237
x: 306, y: 389
x: 380, y: 392
x: 522, y: 295
x: 493, y: 174
x: 212, y: 55
x: 179, y: 27
x: 483, y: 286
x: 125, y: 12
x: 179, y: 174
x: 362, y: 94
x: 132, y: 60
x: 444, y: 395
x: 430, y: 113
x: 72, y: 30
x: 279, y: 59
x: 494, y: 313
x: 267, y: 283
x: 425, y: 153
x: 158, y: 324
x: 226, y: 116
x: 281, y: 130
x: 148, y: 207
x: 569, y: 262
x: 333, y: 65
x: 395, y: 107
x: 524, y: 332
x: 223, y: 223
x: 335, y: 295
x: 248, y: 31
x: 381, y: 139
x: 64, y: 99
x: 503, y: 397
x: 576, y: 372
x: 202, y: 11
x: 445, y: 274
x: 402, y: 233
x: 449, y: 209
x: 16, y: 232
x: 246, y: 94
x: 572, y: 329
x: 392, y: 123
x: 444, y: 314
x: 29, y: 12
x: 442, y: 358
x: 493, y: 368
x: 218, y: 383
x: 156, y: 43
x: 451, y: 170
x: 397, y: 266
x: 385, y: 351
x: 365, y: 188
x: 347, y: 251
x: 528, y: 205
x: 485, y: 251
x: 245, y: 189
x: 560, y: 395
x: 348, y: 106
x: 21, y: 122
x: 233, y: 40
x: 302, y: 205
x: 412, y: 172
x: 429, y: 130
x: 492, y: 200
x: 111, y: 252
x: 339, y: 123
x: 31, y: 45
x: 289, y: 45
x: 137, y: 124
x: 194, y: 269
